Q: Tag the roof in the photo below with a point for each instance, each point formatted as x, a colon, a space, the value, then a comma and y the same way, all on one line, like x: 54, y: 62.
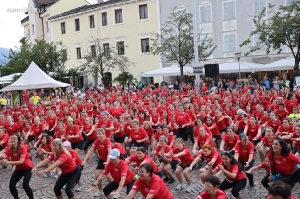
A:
x: 25, y: 19
x: 86, y: 8
x: 38, y: 3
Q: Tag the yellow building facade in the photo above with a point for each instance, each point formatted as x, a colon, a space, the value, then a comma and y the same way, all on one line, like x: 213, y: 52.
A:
x: 124, y: 24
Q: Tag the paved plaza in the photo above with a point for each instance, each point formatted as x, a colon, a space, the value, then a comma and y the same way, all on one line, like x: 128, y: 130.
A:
x: 43, y: 188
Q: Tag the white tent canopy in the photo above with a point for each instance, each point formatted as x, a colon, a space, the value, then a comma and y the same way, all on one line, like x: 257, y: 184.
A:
x: 34, y: 78
x: 233, y: 67
x: 283, y: 64
x: 9, y: 77
x: 173, y: 70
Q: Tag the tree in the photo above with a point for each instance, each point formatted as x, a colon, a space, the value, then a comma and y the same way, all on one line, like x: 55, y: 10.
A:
x: 125, y: 78
x: 101, y: 60
x: 176, y: 41
x: 280, y: 29
x: 45, y: 55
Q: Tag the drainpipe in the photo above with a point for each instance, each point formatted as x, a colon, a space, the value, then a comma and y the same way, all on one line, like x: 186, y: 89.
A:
x: 40, y: 10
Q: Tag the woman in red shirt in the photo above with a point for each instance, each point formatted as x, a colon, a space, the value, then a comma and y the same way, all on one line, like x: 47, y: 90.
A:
x: 120, y: 173
x: 265, y: 141
x: 203, y: 138
x: 233, y: 171
x: 229, y: 140
x: 166, y: 163
x: 210, y: 123
x: 119, y: 130
x: 273, y: 122
x: 150, y: 185
x: 253, y: 130
x: 183, y: 122
x: 11, y: 127
x: 137, y: 136
x: 103, y: 146
x: 73, y: 134
x: 17, y: 155
x: 90, y: 132
x: 44, y: 147
x: 283, y: 163
x: 212, y: 157
x: 186, y: 158
x: 70, y: 172
x: 211, y: 189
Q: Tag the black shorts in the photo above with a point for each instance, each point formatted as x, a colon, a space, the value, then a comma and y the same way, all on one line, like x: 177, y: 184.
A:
x: 31, y: 139
x: 88, y: 143
x: 173, y: 163
x: 133, y: 143
x: 183, y: 133
x: 100, y: 165
x: 120, y: 139
x: 185, y: 166
x: 77, y: 145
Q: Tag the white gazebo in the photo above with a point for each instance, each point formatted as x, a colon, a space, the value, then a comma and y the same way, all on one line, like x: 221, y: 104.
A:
x: 34, y: 78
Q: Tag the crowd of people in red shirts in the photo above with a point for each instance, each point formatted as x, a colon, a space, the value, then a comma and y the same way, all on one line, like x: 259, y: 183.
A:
x: 144, y: 140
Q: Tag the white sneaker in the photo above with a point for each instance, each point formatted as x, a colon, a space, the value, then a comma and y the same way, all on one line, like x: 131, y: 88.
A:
x: 98, y: 193
x: 188, y: 189
x: 18, y: 184
x: 46, y: 175
x: 78, y: 188
x: 117, y: 195
x: 179, y: 187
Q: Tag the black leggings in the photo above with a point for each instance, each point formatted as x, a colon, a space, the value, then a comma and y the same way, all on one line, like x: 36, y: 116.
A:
x: 16, y: 177
x: 294, y: 178
x: 183, y: 133
x: 87, y: 144
x: 265, y: 181
x: 236, y: 186
x: 70, y: 179
x: 110, y: 187
x: 191, y: 133
x: 249, y: 175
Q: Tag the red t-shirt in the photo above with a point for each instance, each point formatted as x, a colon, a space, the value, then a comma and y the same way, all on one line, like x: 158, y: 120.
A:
x: 206, y: 139
x: 234, y: 168
x: 120, y: 147
x: 157, y: 187
x: 23, y: 154
x: 214, y: 154
x: 117, y: 111
x: 185, y: 159
x: 108, y: 124
x: 219, y: 195
x: 37, y: 130
x: 74, y: 131
x: 67, y: 166
x: 284, y: 164
x: 102, y: 148
x: 5, y: 139
x: 252, y: 131
x: 244, y: 152
x: 46, y: 147
x: 117, y: 172
x: 87, y: 130
x: 275, y: 125
x: 265, y: 140
x: 297, y: 142
x: 119, y: 127
x: 182, y: 119
x: 292, y: 197
x: 51, y: 122
x: 263, y: 165
x: 165, y: 150
x: 141, y: 134
x: 147, y: 158
x: 230, y: 143
x: 220, y: 124
x: 13, y: 129
x: 75, y: 157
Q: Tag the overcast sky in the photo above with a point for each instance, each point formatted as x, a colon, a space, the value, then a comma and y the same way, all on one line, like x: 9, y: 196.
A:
x: 10, y: 21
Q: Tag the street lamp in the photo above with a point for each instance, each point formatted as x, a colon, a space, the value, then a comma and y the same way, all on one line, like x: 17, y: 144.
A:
x: 238, y: 57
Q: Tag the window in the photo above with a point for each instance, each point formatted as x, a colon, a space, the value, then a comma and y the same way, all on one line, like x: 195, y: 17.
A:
x: 104, y: 19
x: 121, y: 48
x: 143, y: 11
x: 259, y: 5
x: 93, y: 51
x: 28, y: 32
x: 32, y: 29
x: 205, y: 14
x: 145, y: 45
x: 181, y: 10
x: 78, y: 53
x: 257, y: 41
x: 106, y: 48
x: 229, y: 43
x: 77, y: 25
x: 229, y: 10
x: 92, y: 21
x: 47, y: 26
x: 118, y: 16
x: 63, y: 28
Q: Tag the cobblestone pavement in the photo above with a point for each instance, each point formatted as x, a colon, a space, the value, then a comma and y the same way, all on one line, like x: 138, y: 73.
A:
x: 43, y: 187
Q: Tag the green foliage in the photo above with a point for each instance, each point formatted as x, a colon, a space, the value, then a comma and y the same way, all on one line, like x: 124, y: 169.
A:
x: 176, y: 41
x: 104, y: 60
x: 125, y: 78
x: 278, y: 29
x: 46, y: 55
